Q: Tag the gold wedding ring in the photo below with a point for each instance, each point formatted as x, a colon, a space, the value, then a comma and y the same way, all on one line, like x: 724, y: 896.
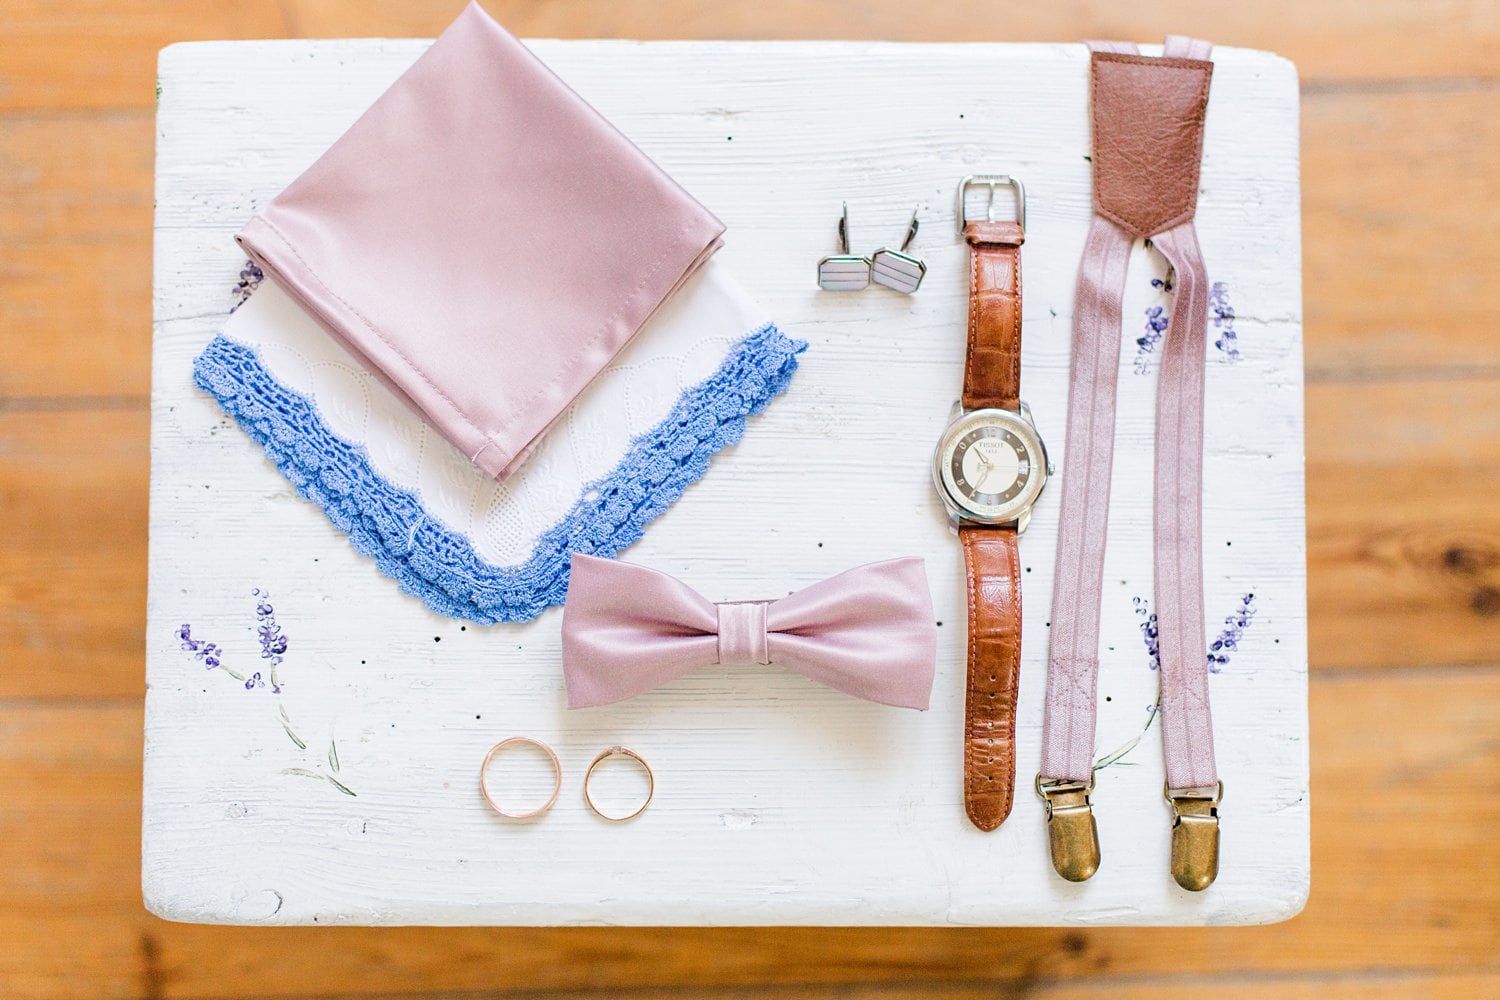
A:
x: 618, y: 752
x: 556, y: 776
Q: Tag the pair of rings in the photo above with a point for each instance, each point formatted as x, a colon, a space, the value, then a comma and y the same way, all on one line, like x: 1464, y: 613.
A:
x: 605, y: 754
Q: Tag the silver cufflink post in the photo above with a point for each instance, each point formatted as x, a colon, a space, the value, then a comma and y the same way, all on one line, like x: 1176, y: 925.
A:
x: 897, y: 269
x: 844, y: 271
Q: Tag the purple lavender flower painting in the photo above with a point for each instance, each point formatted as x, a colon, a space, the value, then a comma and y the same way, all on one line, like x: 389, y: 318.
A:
x: 207, y: 652
x: 1221, y: 318
x: 273, y: 646
x: 273, y: 643
x: 250, y: 278
x: 1223, y: 321
x: 1227, y: 641
x: 1156, y: 327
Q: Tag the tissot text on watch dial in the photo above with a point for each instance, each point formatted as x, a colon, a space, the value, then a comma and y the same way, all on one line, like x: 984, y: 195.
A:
x: 990, y: 465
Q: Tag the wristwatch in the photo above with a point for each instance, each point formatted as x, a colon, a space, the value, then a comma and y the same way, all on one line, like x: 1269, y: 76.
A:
x: 989, y: 468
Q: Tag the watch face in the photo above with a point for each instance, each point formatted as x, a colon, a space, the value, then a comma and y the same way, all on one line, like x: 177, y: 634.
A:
x: 990, y: 465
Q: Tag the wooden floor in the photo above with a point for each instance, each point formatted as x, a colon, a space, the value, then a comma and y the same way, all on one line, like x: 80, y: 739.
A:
x: 1402, y: 256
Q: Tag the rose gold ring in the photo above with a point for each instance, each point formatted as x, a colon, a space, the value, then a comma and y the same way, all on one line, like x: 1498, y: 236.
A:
x: 556, y: 776
x: 618, y: 752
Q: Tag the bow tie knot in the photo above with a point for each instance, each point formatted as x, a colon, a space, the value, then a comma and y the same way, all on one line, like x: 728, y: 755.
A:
x: 868, y: 632
x: 743, y: 640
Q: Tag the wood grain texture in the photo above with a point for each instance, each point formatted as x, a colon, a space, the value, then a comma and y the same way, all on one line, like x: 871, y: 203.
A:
x: 72, y: 594
x: 1403, y: 566
x: 75, y: 271
x: 872, y: 832
x: 97, y: 53
x: 75, y: 204
x: 73, y: 780
x: 1407, y: 548
x: 1391, y: 61
x: 1400, y: 279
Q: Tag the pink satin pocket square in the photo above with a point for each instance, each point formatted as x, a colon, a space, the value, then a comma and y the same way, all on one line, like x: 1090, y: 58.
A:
x: 868, y: 632
x: 484, y: 240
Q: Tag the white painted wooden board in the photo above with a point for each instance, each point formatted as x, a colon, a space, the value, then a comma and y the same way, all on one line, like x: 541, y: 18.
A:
x: 778, y: 802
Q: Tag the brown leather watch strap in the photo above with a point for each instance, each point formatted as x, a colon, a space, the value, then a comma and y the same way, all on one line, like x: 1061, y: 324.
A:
x: 992, y: 367
x: 993, y: 568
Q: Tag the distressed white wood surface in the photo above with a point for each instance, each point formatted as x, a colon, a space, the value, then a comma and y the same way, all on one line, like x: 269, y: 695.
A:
x: 777, y: 801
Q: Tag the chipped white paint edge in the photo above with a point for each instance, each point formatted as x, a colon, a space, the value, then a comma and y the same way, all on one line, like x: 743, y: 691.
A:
x: 778, y: 802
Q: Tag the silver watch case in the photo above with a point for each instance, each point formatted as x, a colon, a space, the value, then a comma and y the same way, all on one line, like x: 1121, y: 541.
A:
x: 1016, y: 511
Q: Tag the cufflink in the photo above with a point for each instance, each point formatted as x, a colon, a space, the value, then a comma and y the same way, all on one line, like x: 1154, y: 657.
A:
x: 897, y: 269
x: 844, y: 271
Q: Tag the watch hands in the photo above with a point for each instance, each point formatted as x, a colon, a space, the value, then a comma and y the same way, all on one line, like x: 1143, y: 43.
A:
x: 984, y: 473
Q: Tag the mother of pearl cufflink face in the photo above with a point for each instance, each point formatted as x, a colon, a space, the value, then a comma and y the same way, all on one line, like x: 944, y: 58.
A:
x: 897, y: 269
x: 844, y: 271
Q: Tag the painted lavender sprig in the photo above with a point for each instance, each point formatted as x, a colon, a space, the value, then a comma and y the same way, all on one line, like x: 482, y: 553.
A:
x: 286, y: 723
x: 273, y: 643
x: 208, y: 653
x: 1218, y: 651
x: 1152, y: 710
x: 273, y: 646
x: 1149, y: 632
x: 1229, y: 639
x: 303, y: 772
x: 1227, y: 642
x: 1156, y: 327
x: 1223, y: 321
x: 250, y: 279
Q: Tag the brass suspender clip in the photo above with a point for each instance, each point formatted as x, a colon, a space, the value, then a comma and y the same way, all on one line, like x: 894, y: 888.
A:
x: 1195, y: 835
x: 1071, y: 830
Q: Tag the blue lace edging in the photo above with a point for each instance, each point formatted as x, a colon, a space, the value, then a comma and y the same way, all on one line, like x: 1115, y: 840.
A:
x: 438, y: 565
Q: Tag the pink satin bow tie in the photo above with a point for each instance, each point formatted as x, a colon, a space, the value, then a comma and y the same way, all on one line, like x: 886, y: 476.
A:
x: 868, y: 632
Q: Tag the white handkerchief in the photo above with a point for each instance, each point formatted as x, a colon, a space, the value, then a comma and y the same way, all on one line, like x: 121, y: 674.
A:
x: 640, y: 433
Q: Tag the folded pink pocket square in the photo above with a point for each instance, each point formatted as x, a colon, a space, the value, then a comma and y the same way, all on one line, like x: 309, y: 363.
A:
x: 484, y: 240
x: 868, y: 632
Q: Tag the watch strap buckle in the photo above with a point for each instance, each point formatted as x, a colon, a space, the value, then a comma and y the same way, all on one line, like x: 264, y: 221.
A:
x: 992, y: 181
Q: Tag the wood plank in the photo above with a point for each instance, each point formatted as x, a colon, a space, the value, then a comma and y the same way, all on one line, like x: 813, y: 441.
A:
x: 1250, y: 987
x: 83, y: 312
x: 1346, y: 598
x: 75, y: 178
x: 72, y: 925
x: 75, y: 274
x: 75, y: 211
x: 819, y: 847
x: 109, y: 47
x: 1333, y: 39
x: 107, y: 949
x: 73, y: 574
x: 99, y: 55
x: 1401, y: 203
x: 1404, y: 556
x: 1362, y: 541
x: 1403, y: 530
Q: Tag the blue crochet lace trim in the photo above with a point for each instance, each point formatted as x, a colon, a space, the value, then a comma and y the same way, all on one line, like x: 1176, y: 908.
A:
x: 431, y: 561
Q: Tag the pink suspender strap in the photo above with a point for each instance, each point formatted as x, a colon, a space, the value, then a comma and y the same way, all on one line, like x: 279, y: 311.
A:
x: 1147, y: 146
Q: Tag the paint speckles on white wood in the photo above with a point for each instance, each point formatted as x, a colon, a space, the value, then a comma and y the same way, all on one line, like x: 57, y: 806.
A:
x: 777, y: 801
